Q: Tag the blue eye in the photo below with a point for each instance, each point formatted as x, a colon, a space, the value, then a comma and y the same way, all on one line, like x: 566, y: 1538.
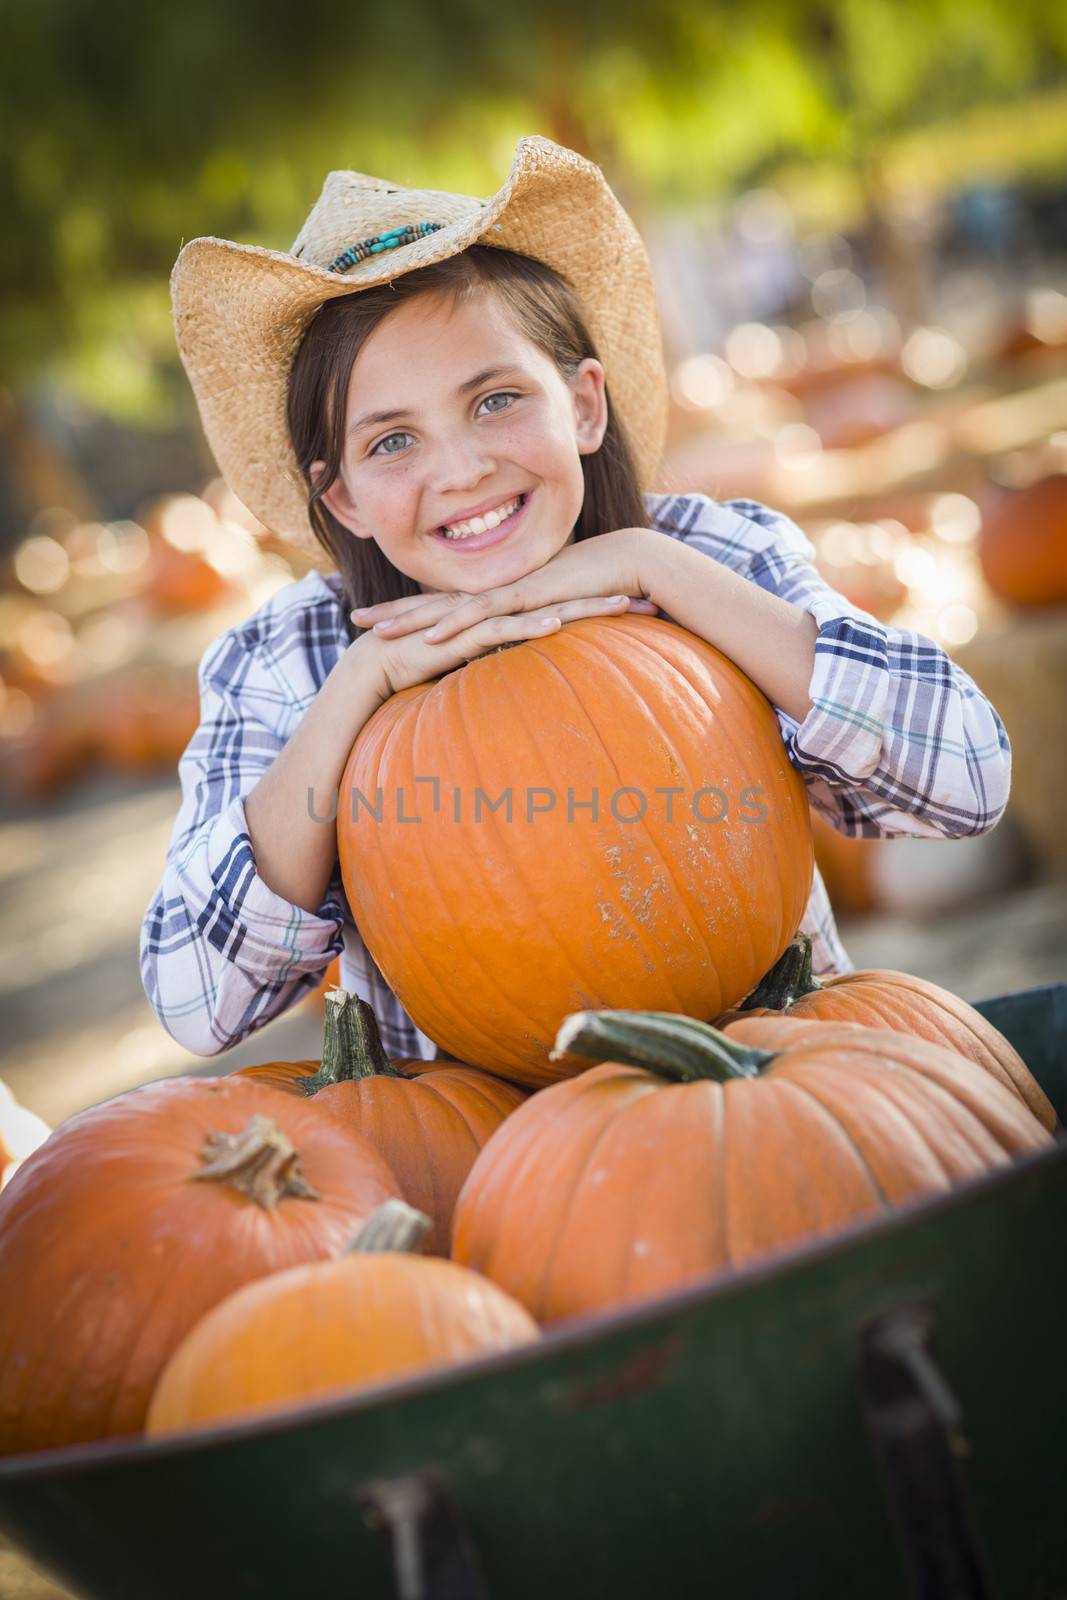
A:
x: 379, y: 447
x: 382, y: 448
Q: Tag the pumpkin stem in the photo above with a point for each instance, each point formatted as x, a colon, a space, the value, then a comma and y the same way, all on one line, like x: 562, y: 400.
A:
x: 262, y: 1162
x: 394, y: 1225
x: 351, y: 1044
x: 789, y: 980
x: 665, y: 1042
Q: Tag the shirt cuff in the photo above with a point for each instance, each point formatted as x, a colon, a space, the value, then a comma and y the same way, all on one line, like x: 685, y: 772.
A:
x: 842, y: 737
x: 241, y: 917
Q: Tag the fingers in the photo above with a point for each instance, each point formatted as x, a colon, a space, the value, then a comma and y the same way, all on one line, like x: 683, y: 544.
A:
x: 410, y: 660
x: 465, y: 616
x: 415, y: 659
x: 495, y: 631
x: 401, y: 609
x: 442, y: 616
x: 417, y: 612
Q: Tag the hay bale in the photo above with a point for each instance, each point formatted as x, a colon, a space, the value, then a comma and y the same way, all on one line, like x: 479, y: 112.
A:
x: 1022, y: 668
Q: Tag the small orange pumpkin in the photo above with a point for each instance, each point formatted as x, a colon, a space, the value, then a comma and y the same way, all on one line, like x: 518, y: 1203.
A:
x: 1023, y: 546
x: 429, y: 1119
x: 878, y: 998
x: 140, y: 1214
x: 334, y: 1326
x: 623, y: 1183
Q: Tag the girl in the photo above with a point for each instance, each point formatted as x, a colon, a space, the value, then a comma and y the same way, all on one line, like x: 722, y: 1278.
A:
x: 462, y: 401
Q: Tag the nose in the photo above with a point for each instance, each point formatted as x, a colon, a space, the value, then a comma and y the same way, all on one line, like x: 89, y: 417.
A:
x: 459, y: 465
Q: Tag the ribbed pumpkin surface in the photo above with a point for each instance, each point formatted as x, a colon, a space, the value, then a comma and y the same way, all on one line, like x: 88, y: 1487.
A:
x: 110, y: 1252
x: 491, y: 931
x: 428, y: 1119
x: 316, y: 1331
x: 284, y: 1075
x: 430, y: 1130
x: 908, y: 1004
x: 618, y: 1184
x: 882, y: 998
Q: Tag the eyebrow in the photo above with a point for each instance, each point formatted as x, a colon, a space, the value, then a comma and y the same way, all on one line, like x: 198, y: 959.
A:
x: 374, y: 419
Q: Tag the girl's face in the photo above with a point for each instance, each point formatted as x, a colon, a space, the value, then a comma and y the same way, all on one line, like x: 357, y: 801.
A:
x: 454, y: 415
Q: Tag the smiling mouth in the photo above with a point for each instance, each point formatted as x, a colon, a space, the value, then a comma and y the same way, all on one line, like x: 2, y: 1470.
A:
x: 456, y: 532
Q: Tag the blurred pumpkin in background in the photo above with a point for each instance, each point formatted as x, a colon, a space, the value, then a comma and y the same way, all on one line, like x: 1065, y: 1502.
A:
x: 846, y: 866
x: 1023, y: 548
x: 848, y: 408
x: 145, y: 717
x: 178, y: 577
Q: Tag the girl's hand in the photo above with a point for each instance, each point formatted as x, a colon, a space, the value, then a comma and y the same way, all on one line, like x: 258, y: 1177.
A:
x: 409, y: 659
x: 572, y: 584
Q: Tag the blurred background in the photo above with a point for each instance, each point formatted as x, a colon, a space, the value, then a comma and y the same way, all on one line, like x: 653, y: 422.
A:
x: 858, y: 223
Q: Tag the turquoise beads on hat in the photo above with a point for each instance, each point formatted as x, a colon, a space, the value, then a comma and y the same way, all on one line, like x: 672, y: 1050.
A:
x: 382, y: 241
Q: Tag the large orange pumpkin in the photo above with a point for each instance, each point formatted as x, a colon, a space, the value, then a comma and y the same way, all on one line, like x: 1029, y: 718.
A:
x: 1023, y: 547
x: 139, y: 1215
x: 621, y: 1183
x: 429, y: 1119
x: 686, y: 884
x: 878, y: 998
x: 379, y: 1312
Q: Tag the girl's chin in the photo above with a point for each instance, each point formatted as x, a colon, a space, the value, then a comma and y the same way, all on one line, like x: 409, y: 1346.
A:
x: 491, y: 569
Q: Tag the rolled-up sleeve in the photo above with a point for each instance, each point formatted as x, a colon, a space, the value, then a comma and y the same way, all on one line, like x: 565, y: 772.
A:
x: 899, y: 740
x: 221, y: 953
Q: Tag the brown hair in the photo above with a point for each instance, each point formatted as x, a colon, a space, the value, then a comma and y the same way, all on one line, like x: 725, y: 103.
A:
x: 548, y: 312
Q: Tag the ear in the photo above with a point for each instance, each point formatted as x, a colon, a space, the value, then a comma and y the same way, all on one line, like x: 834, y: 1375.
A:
x: 338, y: 501
x: 590, y: 406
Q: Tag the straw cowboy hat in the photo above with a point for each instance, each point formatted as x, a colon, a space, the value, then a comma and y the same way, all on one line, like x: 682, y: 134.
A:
x: 241, y: 311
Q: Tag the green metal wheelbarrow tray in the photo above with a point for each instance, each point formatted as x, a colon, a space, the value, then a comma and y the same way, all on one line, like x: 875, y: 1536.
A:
x: 883, y: 1413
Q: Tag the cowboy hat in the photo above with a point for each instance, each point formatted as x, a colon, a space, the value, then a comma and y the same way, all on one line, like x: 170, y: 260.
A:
x: 240, y: 311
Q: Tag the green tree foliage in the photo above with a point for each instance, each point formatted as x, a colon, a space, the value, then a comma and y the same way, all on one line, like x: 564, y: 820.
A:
x: 127, y: 127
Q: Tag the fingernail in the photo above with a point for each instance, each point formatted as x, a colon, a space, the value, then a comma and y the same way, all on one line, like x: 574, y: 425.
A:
x: 548, y: 622
x: 431, y: 635
x: 360, y: 611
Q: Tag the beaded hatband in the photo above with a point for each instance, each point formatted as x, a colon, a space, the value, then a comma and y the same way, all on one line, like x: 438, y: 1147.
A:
x: 382, y: 241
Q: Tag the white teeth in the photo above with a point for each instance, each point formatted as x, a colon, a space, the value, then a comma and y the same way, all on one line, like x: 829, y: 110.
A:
x: 492, y: 519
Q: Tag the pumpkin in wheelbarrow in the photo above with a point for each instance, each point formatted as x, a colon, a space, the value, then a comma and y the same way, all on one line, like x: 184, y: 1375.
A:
x: 332, y: 1327
x: 429, y: 1119
x: 687, y: 1153
x: 140, y: 1214
x: 882, y: 998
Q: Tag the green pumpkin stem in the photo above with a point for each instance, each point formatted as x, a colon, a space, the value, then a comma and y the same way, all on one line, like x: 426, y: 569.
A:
x: 394, y: 1225
x: 351, y: 1044
x: 664, y: 1042
x: 789, y: 980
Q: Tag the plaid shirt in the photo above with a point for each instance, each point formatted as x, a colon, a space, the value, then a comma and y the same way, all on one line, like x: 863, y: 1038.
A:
x: 898, y: 741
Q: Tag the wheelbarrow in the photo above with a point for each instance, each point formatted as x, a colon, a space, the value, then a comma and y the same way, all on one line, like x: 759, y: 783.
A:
x: 879, y: 1414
